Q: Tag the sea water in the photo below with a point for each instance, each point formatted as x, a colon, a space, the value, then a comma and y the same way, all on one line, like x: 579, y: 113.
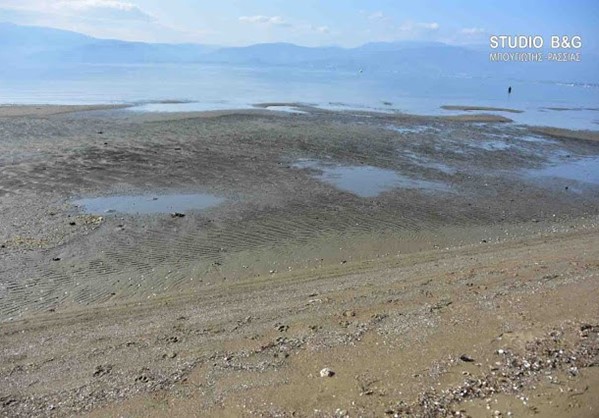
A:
x: 190, y: 87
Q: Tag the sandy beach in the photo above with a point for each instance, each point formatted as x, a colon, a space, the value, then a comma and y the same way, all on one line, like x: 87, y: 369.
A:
x: 314, y: 263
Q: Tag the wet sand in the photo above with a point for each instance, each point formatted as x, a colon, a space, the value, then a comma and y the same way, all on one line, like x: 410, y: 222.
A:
x: 481, y: 117
x: 480, y: 108
x: 567, y: 133
x: 234, y: 309
x: 49, y: 110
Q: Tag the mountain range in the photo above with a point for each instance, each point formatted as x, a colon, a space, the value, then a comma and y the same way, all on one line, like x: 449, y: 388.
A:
x: 30, y: 46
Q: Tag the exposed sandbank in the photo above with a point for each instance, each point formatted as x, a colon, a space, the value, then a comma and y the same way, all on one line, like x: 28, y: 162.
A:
x: 479, y: 108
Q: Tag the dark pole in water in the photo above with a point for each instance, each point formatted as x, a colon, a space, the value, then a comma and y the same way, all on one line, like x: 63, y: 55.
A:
x: 509, y: 90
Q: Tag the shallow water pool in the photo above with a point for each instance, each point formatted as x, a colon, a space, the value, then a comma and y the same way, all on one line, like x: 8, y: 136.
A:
x: 365, y: 180
x: 144, y: 204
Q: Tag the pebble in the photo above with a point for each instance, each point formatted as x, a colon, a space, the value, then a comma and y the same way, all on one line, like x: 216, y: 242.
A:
x: 326, y: 372
x: 466, y: 358
x: 341, y: 413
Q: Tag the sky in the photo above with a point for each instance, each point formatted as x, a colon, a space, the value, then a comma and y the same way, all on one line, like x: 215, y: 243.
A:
x: 310, y: 22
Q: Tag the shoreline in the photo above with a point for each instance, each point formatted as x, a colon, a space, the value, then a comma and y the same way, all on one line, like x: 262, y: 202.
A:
x: 481, y: 108
x: 261, y: 109
x: 17, y: 110
x: 385, y: 247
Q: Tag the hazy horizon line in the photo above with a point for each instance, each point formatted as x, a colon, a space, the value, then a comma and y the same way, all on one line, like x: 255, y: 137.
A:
x: 398, y: 41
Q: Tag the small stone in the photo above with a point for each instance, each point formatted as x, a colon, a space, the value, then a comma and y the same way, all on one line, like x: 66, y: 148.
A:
x: 349, y: 313
x: 326, y: 372
x: 177, y: 215
x: 466, y: 358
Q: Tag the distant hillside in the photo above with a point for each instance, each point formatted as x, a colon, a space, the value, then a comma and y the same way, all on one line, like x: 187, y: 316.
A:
x: 28, y: 46
x: 31, y: 44
x: 20, y: 42
x: 275, y: 54
x: 121, y: 52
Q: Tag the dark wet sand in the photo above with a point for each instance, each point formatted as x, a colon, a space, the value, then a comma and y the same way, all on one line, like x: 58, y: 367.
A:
x: 481, y: 108
x: 567, y: 133
x: 49, y: 110
x: 235, y: 309
x: 482, y: 117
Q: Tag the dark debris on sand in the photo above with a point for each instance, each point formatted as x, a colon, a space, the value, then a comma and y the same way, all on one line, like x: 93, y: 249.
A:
x: 560, y: 351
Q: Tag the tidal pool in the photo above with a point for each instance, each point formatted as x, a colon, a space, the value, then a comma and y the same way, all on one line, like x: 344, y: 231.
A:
x: 144, y: 204
x: 582, y: 170
x: 365, y: 180
x: 287, y: 109
x: 171, y: 107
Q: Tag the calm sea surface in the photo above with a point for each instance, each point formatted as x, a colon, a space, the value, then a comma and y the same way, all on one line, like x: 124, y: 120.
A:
x: 224, y: 87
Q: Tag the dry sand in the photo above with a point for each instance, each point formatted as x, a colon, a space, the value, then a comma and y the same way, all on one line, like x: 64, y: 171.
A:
x: 474, y: 299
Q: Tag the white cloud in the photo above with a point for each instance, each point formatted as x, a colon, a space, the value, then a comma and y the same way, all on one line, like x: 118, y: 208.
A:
x: 321, y: 29
x: 264, y: 20
x: 428, y: 26
x: 103, y: 9
x: 90, y: 4
x: 414, y: 27
x: 85, y: 9
x: 377, y: 16
x: 281, y: 22
x: 99, y: 18
x: 472, y: 31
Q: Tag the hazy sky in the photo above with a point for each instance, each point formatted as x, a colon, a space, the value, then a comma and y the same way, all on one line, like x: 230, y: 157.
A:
x: 309, y: 22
